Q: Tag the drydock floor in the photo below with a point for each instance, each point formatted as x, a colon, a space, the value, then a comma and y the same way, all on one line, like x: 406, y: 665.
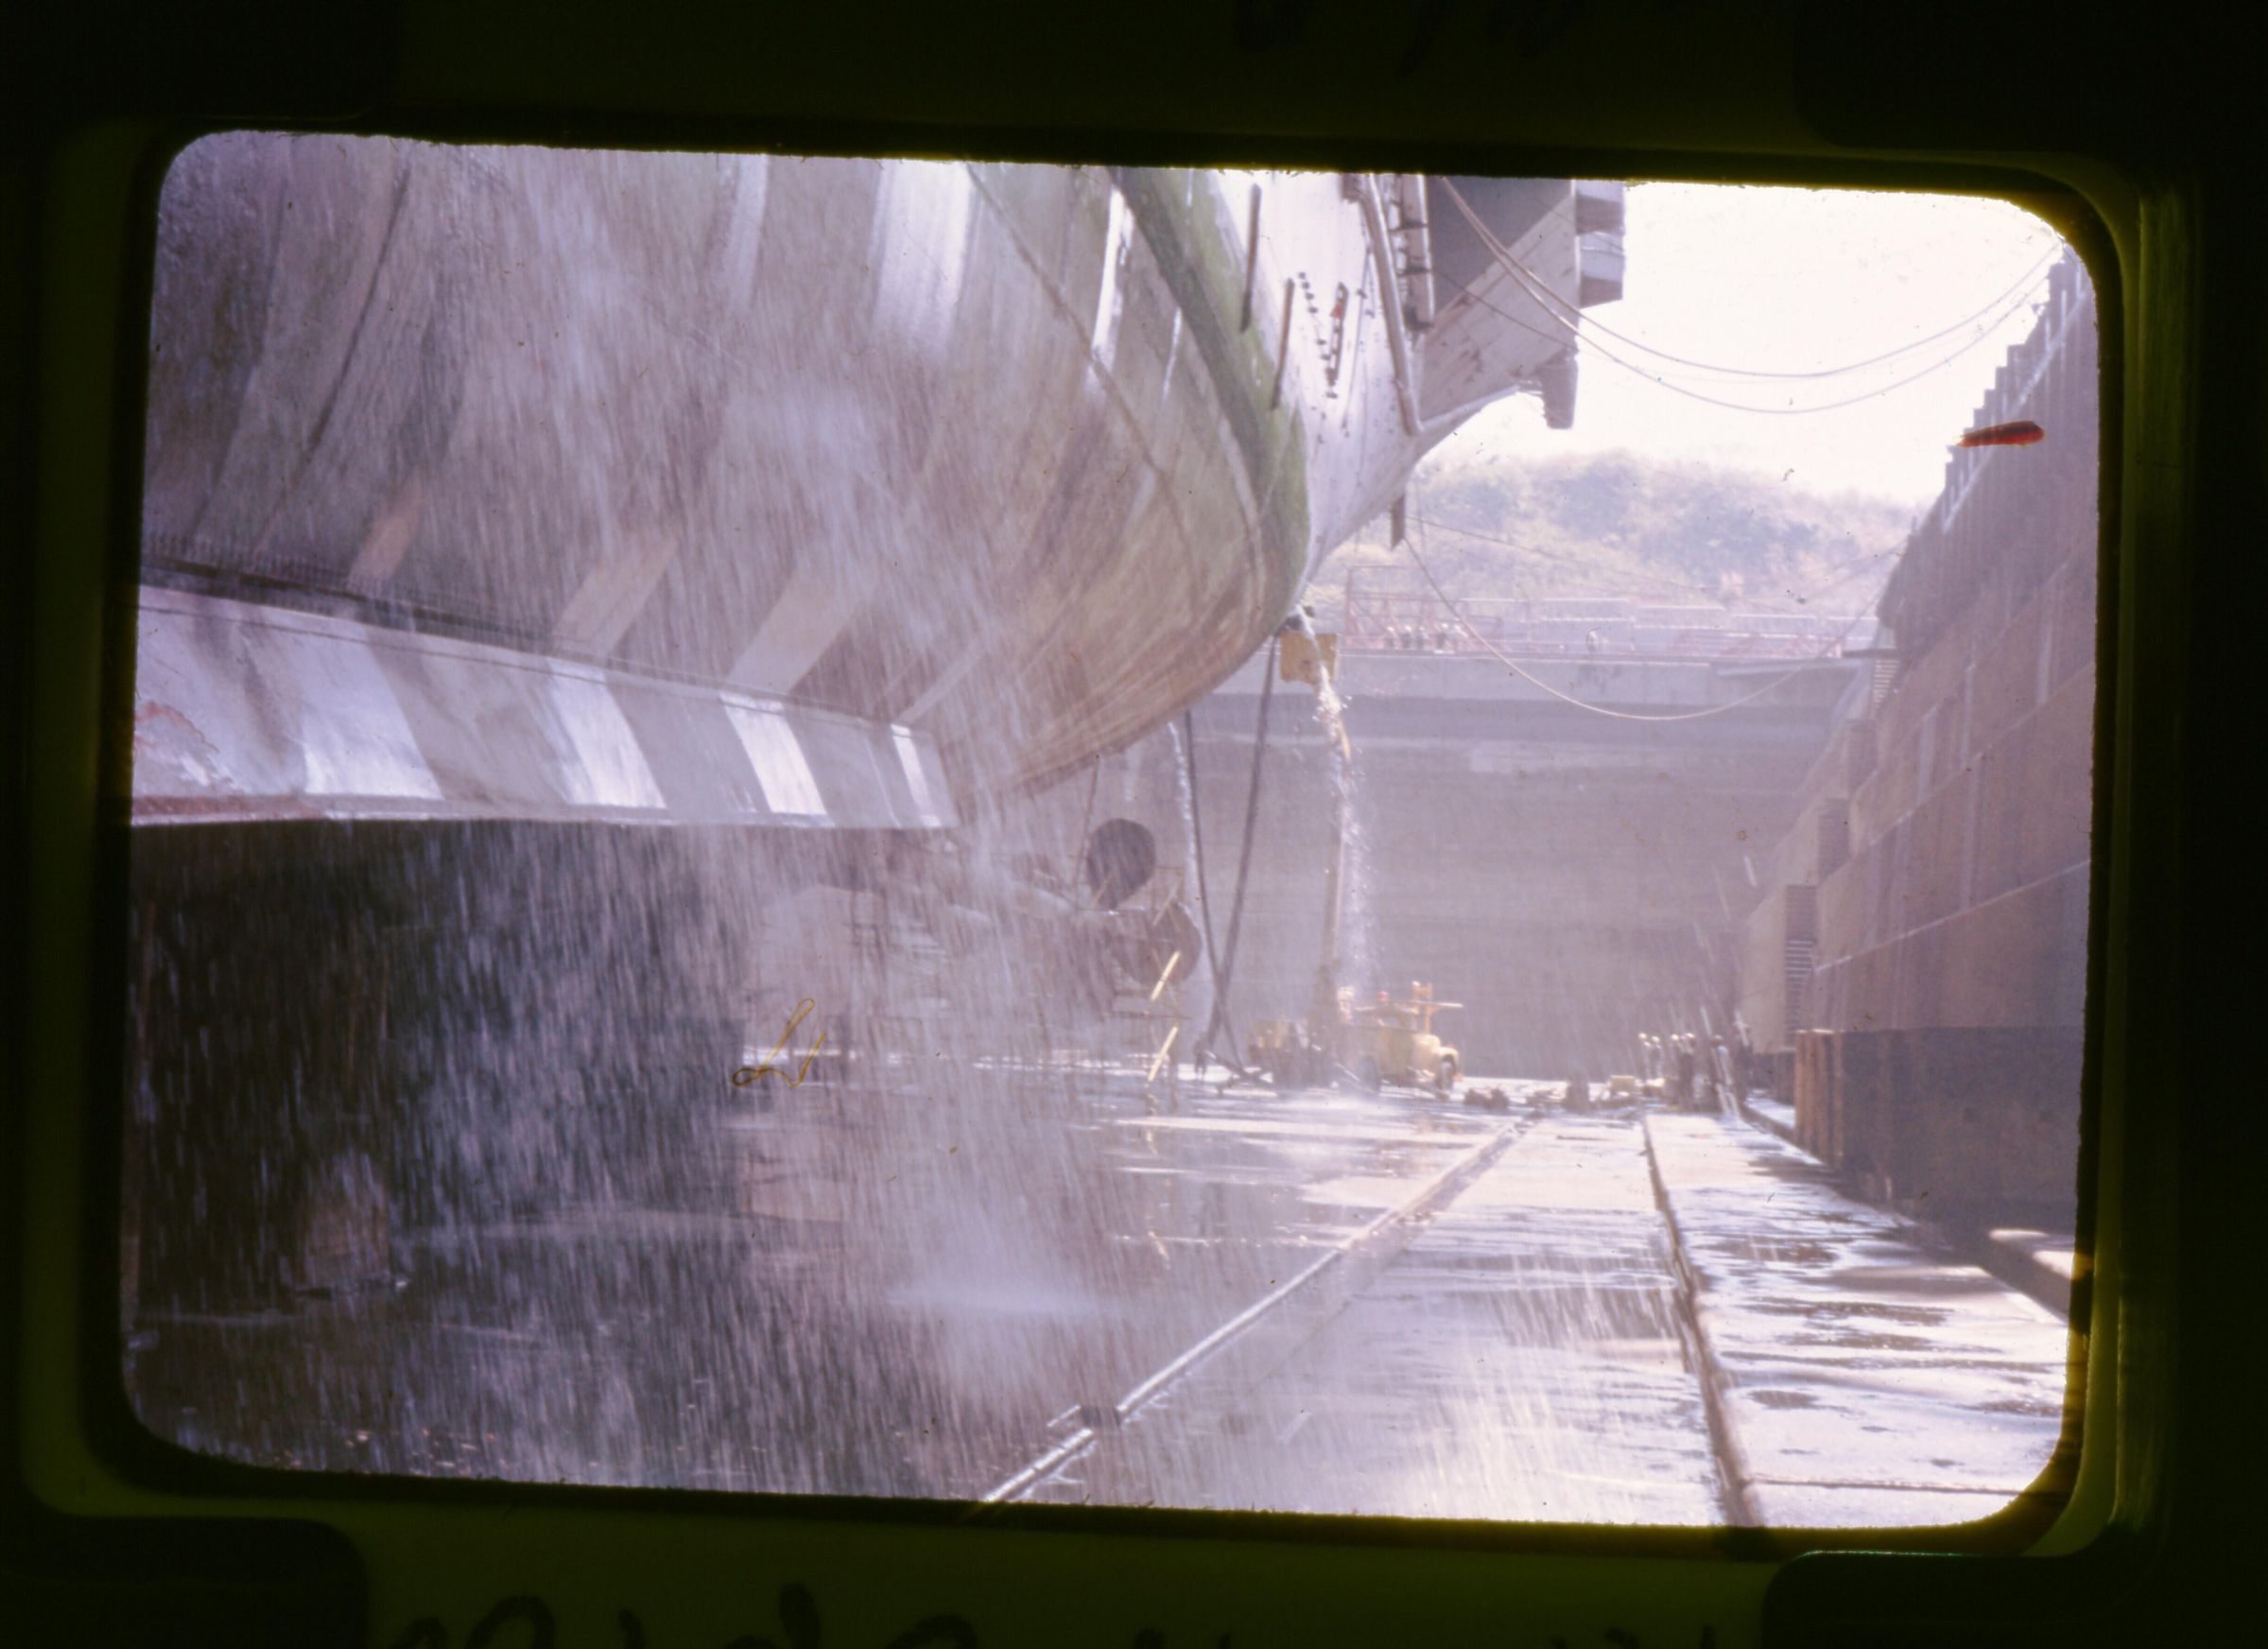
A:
x: 1314, y: 1301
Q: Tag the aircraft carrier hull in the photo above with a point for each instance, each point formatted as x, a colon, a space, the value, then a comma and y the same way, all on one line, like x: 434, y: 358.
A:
x: 501, y: 504
x: 516, y: 484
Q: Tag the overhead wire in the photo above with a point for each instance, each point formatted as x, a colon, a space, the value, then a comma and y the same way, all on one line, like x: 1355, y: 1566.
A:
x: 2010, y: 299
x: 1513, y: 665
x: 1659, y: 580
x: 1534, y: 288
x: 1677, y: 388
x: 2001, y: 309
x: 1846, y: 568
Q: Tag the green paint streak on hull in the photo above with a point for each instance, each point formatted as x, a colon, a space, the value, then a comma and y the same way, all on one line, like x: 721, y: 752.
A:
x: 1186, y: 228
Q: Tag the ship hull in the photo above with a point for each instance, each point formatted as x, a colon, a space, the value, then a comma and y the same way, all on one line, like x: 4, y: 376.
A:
x: 528, y: 484
x: 822, y: 512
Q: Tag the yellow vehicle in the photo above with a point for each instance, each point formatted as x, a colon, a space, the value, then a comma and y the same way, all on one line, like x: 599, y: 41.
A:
x: 1393, y: 1041
x: 1381, y: 1042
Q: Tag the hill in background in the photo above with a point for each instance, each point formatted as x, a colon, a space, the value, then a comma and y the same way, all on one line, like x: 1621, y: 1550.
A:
x: 1619, y: 524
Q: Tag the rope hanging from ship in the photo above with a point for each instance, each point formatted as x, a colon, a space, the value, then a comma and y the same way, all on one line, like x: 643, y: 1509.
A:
x: 1205, y: 896
x: 1218, y: 1020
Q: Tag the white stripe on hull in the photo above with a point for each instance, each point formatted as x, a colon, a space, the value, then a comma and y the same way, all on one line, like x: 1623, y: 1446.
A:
x: 255, y: 712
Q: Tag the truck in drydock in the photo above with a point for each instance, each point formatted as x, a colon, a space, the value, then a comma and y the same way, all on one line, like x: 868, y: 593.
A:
x: 1389, y: 1041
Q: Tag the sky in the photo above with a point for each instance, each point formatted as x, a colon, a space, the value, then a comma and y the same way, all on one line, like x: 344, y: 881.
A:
x: 1795, y: 281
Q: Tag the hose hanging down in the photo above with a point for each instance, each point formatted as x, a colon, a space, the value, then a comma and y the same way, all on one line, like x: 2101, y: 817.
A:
x: 1225, y: 965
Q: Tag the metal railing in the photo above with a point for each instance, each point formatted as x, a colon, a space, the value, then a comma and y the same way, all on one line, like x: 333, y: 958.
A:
x: 1389, y: 617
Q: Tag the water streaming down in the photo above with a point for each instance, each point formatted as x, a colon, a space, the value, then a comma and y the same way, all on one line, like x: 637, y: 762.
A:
x: 1184, y: 798
x: 692, y: 996
x: 1345, y: 914
x: 1359, y: 966
x: 620, y: 1267
x: 893, y: 1276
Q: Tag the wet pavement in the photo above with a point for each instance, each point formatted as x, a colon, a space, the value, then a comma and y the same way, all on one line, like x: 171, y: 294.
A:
x: 1519, y: 1358
x: 882, y: 1290
x: 1870, y: 1376
x: 1082, y: 1291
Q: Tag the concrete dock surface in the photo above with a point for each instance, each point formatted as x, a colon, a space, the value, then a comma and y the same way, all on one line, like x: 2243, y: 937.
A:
x: 1867, y: 1373
x: 1549, y: 1346
x: 1089, y: 1291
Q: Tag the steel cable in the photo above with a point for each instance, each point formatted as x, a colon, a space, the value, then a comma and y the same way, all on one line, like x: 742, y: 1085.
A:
x: 1513, y: 665
x: 1218, y: 1020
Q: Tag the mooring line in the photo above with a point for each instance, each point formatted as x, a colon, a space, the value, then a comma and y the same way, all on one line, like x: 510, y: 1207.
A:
x: 1442, y: 1188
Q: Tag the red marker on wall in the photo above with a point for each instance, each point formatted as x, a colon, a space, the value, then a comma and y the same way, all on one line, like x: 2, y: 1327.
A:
x: 2023, y: 432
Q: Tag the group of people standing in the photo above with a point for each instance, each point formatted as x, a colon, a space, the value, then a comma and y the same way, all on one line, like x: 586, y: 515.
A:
x: 1697, y: 1071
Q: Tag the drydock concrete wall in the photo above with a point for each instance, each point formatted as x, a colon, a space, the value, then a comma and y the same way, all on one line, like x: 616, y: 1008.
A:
x: 1926, y: 920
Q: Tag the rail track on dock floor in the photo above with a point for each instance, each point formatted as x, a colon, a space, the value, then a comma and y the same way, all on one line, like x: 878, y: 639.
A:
x: 1322, y: 1288
x: 1602, y: 1317
x: 1514, y: 1342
